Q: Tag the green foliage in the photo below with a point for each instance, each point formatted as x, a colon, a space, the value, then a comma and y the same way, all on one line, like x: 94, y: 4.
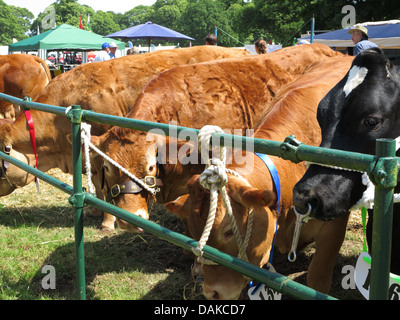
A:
x: 238, y: 21
x: 104, y: 23
x: 14, y: 23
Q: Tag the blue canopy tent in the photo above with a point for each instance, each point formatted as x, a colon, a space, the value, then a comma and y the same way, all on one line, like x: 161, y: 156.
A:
x: 149, y: 30
x: 386, y: 34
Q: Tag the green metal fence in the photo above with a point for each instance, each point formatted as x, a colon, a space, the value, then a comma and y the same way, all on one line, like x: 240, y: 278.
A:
x: 382, y: 169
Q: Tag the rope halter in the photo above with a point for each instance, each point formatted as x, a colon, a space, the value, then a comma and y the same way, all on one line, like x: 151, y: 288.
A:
x: 85, y: 137
x: 214, y: 178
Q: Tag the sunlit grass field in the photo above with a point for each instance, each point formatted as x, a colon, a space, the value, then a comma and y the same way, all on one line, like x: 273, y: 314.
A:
x: 37, y: 230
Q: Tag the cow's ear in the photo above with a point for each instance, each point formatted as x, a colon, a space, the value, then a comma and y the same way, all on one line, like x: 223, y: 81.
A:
x: 95, y: 140
x: 255, y: 197
x: 178, y: 206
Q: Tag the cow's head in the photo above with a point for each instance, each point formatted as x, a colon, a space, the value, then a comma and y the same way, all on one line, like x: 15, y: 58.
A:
x: 221, y: 282
x: 138, y: 156
x: 362, y: 107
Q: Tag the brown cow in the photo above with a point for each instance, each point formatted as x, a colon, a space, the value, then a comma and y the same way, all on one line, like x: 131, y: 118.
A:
x: 293, y: 112
x: 109, y: 87
x: 230, y: 93
x: 21, y: 76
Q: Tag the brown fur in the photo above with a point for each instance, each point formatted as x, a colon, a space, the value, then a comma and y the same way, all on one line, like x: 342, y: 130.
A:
x: 109, y: 87
x: 21, y: 76
x: 230, y: 93
x: 292, y: 112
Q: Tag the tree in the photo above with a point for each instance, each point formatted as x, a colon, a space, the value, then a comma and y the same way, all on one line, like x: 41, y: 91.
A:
x: 200, y: 18
x: 283, y: 19
x: 68, y: 11
x: 103, y: 23
x: 238, y: 21
x: 138, y: 15
x: 14, y: 23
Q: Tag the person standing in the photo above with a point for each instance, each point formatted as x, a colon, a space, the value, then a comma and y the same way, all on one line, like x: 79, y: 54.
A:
x: 261, y: 46
x: 113, y: 50
x: 211, y: 40
x: 104, y: 54
x: 360, y: 39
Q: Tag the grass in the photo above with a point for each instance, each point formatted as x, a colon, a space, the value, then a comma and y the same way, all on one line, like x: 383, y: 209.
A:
x: 37, y: 230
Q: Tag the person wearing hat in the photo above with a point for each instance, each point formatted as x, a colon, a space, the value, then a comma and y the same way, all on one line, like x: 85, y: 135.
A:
x: 104, y: 54
x: 261, y: 46
x: 360, y: 39
x: 211, y: 40
x: 113, y: 50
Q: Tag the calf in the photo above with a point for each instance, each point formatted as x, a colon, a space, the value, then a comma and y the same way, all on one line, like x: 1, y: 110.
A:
x: 292, y: 112
x: 230, y: 93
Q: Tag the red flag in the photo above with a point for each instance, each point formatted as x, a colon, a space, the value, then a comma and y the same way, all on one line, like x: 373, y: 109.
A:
x: 81, y: 25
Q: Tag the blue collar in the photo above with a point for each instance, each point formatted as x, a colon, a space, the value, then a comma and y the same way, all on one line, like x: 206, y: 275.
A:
x: 275, y: 177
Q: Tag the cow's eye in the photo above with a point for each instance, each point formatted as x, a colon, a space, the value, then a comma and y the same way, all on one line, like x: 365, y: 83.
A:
x: 372, y: 122
x: 105, y: 167
x: 228, y: 234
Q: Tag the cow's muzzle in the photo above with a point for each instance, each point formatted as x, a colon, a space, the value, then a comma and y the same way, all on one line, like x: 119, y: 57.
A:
x: 132, y: 187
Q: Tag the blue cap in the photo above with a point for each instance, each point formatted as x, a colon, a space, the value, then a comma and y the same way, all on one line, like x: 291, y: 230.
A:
x: 105, y: 45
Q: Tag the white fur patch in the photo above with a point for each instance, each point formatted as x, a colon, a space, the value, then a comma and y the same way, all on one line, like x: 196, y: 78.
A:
x: 356, y: 77
x: 142, y: 213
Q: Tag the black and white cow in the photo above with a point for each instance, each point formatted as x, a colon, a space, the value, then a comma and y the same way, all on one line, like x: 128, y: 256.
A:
x: 362, y: 107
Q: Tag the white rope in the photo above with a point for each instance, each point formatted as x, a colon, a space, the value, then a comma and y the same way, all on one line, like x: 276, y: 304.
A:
x: 214, y: 178
x: 85, y: 134
x: 85, y: 139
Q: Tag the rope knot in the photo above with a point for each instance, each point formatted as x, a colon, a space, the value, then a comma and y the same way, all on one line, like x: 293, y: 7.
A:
x: 214, y: 175
x: 205, y: 145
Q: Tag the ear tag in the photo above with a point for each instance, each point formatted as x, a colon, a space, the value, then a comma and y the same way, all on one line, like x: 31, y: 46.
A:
x: 362, y: 278
x: 262, y: 292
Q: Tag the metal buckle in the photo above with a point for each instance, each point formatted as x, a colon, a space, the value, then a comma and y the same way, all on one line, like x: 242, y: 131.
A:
x: 151, y: 185
x: 117, y: 190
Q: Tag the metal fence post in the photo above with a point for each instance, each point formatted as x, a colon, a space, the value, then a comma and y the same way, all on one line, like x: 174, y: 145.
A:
x: 77, y: 199
x: 385, y: 180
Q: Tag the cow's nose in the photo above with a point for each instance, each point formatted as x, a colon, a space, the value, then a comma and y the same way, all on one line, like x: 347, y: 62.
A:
x: 304, y: 201
x: 211, y: 294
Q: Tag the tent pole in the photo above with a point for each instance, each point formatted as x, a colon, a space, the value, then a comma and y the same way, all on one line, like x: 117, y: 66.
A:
x: 312, y: 30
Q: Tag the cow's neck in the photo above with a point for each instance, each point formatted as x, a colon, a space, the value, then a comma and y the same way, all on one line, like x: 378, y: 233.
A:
x: 175, y: 174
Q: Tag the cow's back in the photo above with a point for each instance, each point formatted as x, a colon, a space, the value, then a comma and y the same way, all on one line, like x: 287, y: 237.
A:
x: 111, y: 87
x: 302, y: 94
x: 21, y: 76
x: 241, y: 87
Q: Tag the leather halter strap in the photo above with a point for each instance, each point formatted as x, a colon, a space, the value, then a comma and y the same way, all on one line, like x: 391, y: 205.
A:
x: 4, y: 163
x: 131, y: 187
